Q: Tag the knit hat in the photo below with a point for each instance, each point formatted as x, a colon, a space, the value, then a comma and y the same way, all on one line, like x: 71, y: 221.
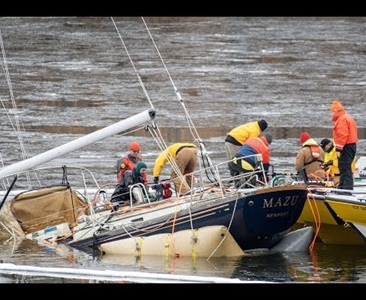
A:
x: 268, y: 138
x: 140, y: 165
x: 135, y: 146
x: 336, y: 106
x: 324, y: 142
x: 304, y: 137
x: 262, y: 125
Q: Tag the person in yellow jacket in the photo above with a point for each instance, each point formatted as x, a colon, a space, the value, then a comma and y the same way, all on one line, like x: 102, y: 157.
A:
x: 331, y: 160
x: 239, y: 135
x: 183, y: 158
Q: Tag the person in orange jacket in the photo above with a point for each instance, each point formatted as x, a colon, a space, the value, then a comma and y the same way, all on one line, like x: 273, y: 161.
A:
x: 237, y: 136
x: 245, y: 160
x: 345, y: 137
x: 129, y: 161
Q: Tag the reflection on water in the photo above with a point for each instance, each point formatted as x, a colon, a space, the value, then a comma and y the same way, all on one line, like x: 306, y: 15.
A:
x: 182, y: 266
x: 325, y: 264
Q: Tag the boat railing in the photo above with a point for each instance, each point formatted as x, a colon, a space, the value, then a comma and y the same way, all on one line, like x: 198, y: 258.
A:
x: 138, y: 194
x: 79, y: 178
x: 215, y: 178
x: 218, y: 177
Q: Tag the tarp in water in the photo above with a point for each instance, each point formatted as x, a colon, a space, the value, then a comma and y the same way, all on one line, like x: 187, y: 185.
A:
x: 38, y: 209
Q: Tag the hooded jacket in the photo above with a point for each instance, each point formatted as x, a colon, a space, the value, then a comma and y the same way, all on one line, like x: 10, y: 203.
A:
x: 310, y: 157
x: 344, y: 129
x: 129, y: 178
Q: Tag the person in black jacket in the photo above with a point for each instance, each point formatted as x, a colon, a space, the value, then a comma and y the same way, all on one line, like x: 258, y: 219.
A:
x: 133, y: 185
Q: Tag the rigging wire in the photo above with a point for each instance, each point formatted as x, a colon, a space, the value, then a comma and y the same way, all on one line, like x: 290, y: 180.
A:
x: 205, y: 158
x: 133, y: 65
x: 151, y: 126
x: 16, y: 127
x: 18, y: 124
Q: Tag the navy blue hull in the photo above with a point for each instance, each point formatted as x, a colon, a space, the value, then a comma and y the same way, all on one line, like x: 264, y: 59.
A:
x: 255, y: 221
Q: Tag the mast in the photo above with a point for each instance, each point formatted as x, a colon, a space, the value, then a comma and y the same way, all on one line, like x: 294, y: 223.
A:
x: 78, y: 143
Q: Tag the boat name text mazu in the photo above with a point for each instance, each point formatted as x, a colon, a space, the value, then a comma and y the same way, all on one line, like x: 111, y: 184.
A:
x: 279, y: 202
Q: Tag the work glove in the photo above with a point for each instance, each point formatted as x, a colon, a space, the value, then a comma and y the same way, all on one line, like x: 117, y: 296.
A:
x: 325, y: 167
x: 156, y: 179
x: 329, y: 163
x: 338, y: 152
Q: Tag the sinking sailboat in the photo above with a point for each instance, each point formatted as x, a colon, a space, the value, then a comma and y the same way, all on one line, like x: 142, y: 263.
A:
x: 217, y: 217
x: 213, y: 219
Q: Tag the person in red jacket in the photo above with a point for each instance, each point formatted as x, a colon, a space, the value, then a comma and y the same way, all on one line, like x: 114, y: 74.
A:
x: 130, y: 161
x: 345, y: 138
x: 245, y: 160
x: 240, y: 134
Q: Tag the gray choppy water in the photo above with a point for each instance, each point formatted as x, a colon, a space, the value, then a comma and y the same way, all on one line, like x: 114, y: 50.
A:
x: 70, y: 76
x: 326, y: 264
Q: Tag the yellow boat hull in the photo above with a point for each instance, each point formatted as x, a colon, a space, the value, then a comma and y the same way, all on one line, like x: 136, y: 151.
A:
x: 330, y: 225
x: 349, y: 212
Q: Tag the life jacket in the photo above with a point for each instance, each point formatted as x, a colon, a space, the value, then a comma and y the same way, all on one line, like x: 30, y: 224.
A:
x: 124, y: 164
x: 315, y: 153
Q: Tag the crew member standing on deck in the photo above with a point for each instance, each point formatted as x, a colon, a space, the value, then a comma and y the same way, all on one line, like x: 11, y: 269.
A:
x: 238, y: 136
x: 345, y: 139
x: 310, y: 157
x: 331, y: 160
x: 183, y: 158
